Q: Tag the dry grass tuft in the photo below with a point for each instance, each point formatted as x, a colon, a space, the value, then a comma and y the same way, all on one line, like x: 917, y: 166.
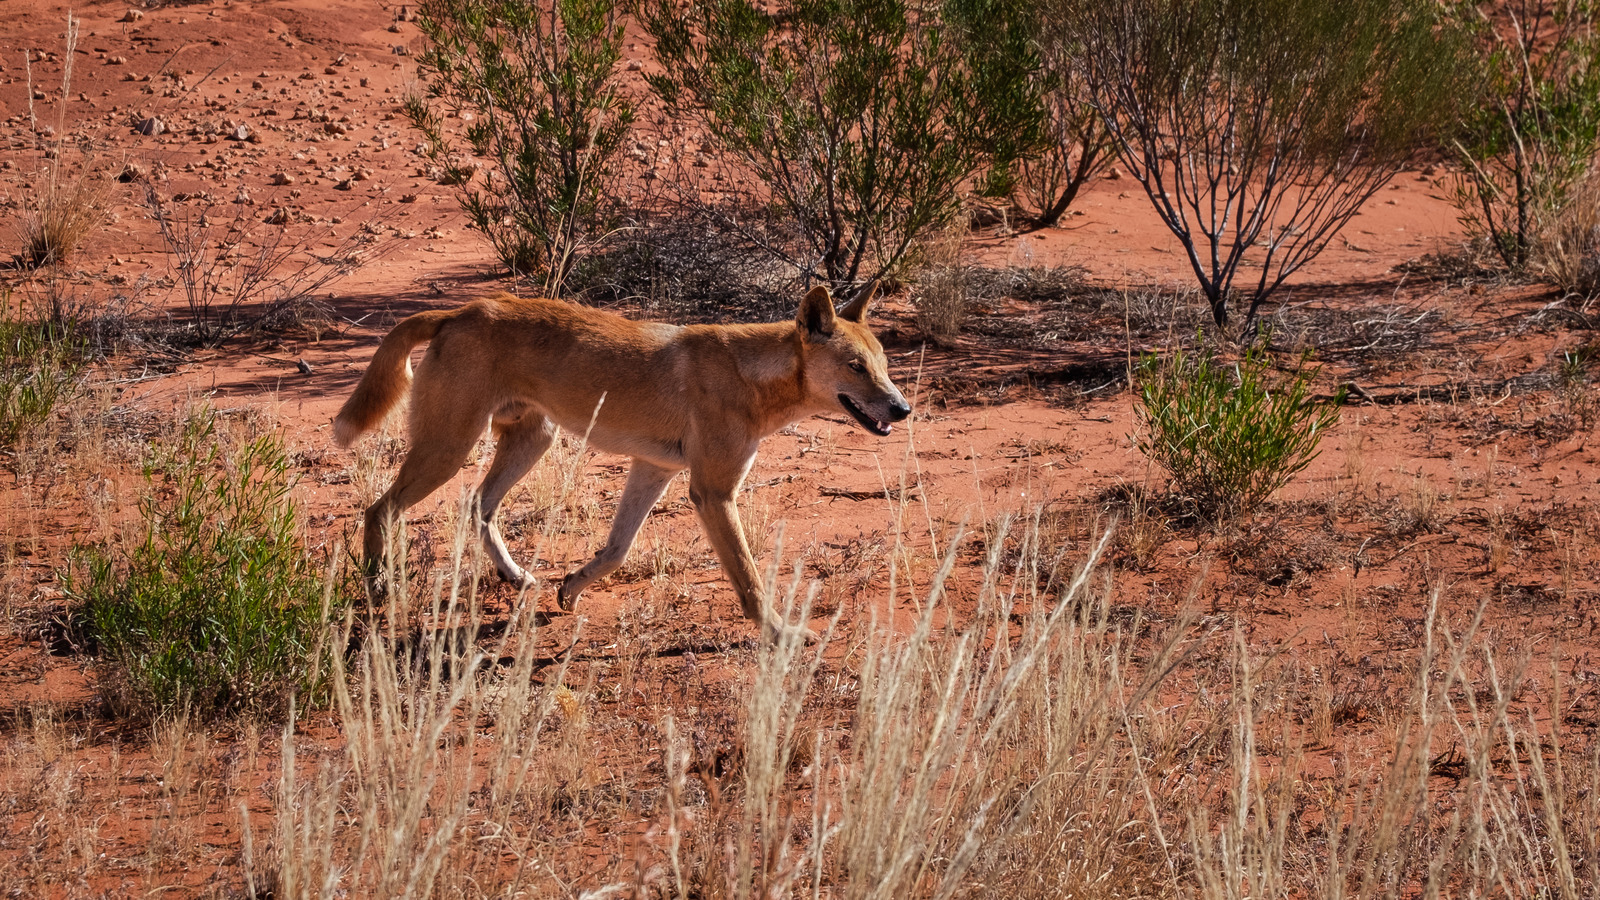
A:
x: 942, y: 297
x: 1568, y: 252
x: 57, y: 223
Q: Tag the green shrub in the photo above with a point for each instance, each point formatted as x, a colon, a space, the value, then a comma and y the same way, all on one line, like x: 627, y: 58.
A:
x: 216, y: 609
x: 860, y: 119
x: 539, y: 82
x: 41, y: 367
x: 1048, y: 139
x: 1229, y: 435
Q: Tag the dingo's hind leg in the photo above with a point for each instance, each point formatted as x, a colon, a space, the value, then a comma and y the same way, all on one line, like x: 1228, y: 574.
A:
x: 438, y: 450
x: 519, y: 444
x: 646, y: 483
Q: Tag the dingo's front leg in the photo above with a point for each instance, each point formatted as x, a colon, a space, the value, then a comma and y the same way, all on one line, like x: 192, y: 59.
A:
x: 714, y: 502
x: 646, y: 483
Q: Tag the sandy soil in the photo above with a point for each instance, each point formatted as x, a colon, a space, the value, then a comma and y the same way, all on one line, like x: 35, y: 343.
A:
x: 1464, y: 472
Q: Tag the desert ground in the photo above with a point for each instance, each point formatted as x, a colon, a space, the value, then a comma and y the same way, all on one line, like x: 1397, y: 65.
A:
x: 1458, y: 483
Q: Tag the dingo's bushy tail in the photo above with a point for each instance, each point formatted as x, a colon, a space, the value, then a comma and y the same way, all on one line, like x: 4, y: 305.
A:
x: 387, y: 377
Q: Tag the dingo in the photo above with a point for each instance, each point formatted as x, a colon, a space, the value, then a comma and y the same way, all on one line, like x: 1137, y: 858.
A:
x: 699, y: 397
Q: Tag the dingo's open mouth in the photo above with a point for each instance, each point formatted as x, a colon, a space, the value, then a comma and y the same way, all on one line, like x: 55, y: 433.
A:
x: 878, y: 428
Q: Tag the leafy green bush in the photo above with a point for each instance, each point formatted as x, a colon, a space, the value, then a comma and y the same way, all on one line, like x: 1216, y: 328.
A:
x: 539, y: 83
x: 41, y: 367
x: 1048, y: 139
x: 217, y: 609
x: 859, y: 117
x: 1535, y: 130
x: 1229, y: 435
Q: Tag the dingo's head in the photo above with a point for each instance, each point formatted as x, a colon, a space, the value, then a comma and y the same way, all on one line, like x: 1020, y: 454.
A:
x: 845, y: 364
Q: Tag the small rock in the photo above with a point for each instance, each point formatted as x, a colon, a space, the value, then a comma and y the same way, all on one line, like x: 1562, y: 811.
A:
x: 335, y: 128
x: 116, y: 60
x: 344, y: 185
x: 280, y: 216
x: 132, y: 15
x: 635, y: 65
x: 130, y: 172
x: 240, y: 132
x: 256, y: 85
x: 404, y: 198
x: 329, y: 70
x: 150, y: 127
x: 282, y: 178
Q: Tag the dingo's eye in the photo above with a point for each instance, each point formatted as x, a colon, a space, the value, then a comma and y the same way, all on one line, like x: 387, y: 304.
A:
x: 857, y: 365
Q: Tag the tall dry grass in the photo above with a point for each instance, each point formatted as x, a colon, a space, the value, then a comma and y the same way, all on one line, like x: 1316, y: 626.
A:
x: 1016, y: 733
x: 61, y: 215
x: 1008, y: 727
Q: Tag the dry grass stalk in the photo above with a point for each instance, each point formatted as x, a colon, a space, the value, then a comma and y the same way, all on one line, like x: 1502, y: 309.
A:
x: 57, y: 221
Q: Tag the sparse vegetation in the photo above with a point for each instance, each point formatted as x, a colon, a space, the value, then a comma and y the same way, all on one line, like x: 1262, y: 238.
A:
x: 1569, y: 248
x: 237, y: 271
x: 1053, y: 139
x: 941, y: 294
x: 1230, y: 436
x: 214, y: 607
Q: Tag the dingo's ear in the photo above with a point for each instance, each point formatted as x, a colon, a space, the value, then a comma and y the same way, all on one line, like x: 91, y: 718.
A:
x: 856, y: 311
x: 816, y: 311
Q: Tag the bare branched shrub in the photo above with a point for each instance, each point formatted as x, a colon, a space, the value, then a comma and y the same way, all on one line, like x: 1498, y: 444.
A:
x: 239, y: 269
x: 1258, y: 128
